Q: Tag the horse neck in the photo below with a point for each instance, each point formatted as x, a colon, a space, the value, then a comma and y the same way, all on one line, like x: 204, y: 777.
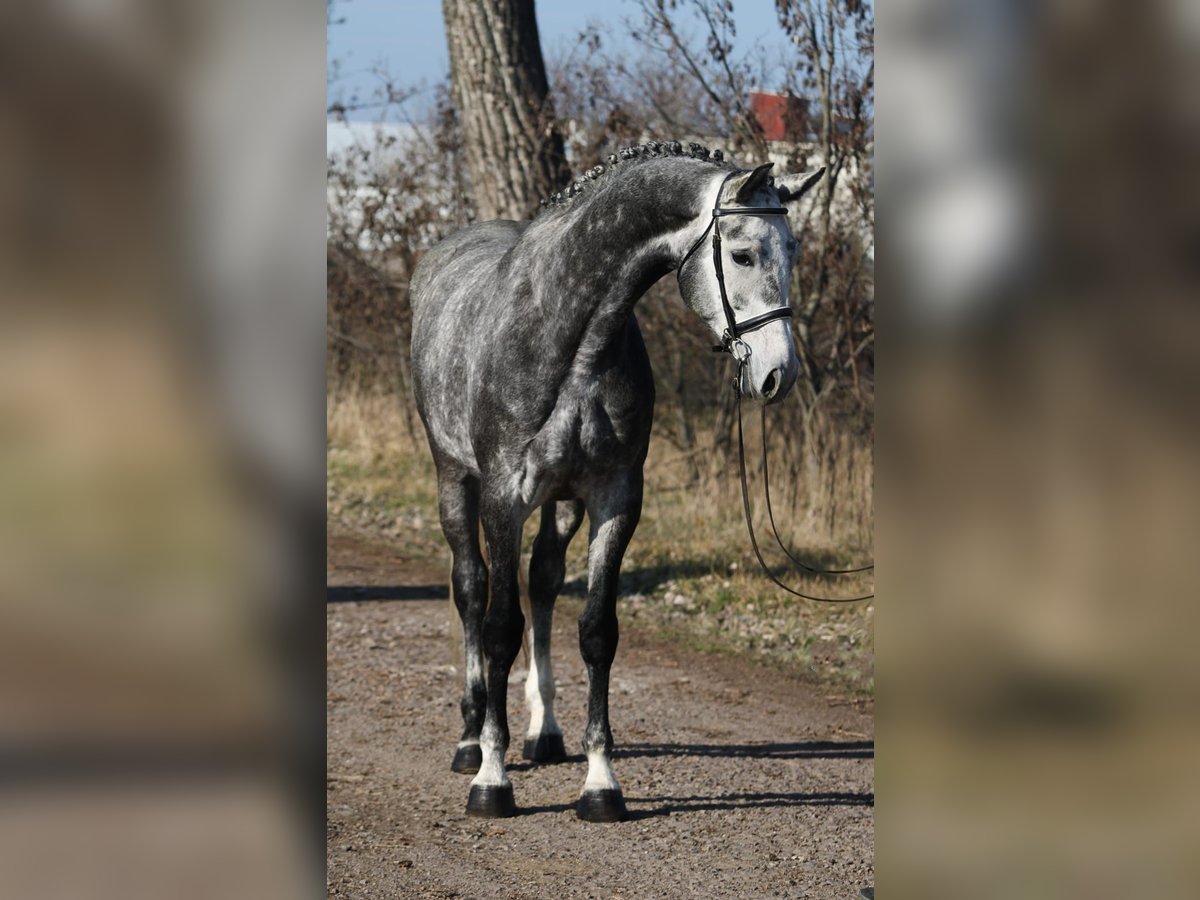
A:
x: 612, y: 248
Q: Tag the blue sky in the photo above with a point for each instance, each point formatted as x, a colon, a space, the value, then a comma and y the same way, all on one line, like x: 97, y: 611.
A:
x: 406, y: 36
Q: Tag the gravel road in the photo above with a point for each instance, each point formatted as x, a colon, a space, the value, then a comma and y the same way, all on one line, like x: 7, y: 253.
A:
x: 741, y: 781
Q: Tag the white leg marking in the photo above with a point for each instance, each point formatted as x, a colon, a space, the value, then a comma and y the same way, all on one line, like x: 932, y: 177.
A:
x: 474, y: 668
x: 491, y: 770
x: 600, y: 774
x: 539, y: 695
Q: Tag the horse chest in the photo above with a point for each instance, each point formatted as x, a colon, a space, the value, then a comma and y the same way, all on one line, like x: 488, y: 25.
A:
x: 611, y: 433
x: 590, y: 436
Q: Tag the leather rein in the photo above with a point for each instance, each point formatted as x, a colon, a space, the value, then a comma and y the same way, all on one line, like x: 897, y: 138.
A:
x: 732, y: 344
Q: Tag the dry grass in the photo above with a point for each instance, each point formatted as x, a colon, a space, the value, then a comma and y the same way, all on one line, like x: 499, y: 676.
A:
x: 380, y: 477
x: 689, y: 572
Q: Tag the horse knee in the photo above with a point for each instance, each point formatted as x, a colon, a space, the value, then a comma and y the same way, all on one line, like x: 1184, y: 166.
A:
x: 598, y: 636
x: 502, y: 636
x: 469, y: 576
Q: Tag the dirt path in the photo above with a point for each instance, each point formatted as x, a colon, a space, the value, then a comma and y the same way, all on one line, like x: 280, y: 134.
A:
x: 740, y: 781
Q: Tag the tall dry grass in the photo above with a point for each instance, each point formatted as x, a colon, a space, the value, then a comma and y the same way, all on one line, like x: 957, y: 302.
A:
x: 689, y: 572
x: 821, y: 480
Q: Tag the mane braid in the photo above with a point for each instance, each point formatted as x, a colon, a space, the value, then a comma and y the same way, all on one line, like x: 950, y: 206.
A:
x: 648, y: 150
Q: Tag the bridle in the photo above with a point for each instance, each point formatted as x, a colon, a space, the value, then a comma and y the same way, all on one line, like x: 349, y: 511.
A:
x: 732, y: 343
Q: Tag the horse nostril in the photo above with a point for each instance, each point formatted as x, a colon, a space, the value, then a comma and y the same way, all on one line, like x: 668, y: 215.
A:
x: 771, y: 384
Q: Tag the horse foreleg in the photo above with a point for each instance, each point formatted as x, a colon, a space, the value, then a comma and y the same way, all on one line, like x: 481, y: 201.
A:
x: 613, y: 514
x: 547, y: 568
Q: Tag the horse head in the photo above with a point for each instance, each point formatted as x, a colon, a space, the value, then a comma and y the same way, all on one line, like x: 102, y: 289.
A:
x: 741, y: 288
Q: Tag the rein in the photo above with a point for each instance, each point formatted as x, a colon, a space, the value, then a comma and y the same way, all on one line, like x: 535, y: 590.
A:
x: 732, y: 344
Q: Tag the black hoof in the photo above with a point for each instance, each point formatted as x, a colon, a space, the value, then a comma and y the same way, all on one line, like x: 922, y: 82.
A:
x: 545, y: 748
x: 467, y: 759
x: 601, y: 806
x: 488, y: 802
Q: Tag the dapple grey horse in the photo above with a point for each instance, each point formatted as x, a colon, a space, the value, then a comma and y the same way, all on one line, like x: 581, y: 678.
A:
x: 535, y: 390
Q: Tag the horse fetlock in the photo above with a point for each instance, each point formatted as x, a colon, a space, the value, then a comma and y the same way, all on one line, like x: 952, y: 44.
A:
x: 597, y: 739
x: 600, y: 774
x: 491, y: 769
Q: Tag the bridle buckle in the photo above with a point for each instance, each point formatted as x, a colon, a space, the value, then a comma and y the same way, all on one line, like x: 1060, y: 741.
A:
x: 738, y: 348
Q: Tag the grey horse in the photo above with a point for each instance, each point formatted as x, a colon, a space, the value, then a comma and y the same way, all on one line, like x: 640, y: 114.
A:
x: 533, y: 383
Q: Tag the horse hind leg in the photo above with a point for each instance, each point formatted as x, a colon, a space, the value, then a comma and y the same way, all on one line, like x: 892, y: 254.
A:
x: 547, y: 569
x: 491, y: 793
x: 455, y: 635
x: 458, y: 505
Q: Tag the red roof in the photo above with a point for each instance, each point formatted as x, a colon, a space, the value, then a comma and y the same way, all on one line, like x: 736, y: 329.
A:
x: 781, y: 117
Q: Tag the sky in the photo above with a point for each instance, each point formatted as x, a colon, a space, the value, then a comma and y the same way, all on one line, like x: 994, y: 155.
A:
x: 406, y: 36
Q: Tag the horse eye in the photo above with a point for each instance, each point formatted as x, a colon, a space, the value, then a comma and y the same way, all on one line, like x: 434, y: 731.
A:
x: 741, y: 258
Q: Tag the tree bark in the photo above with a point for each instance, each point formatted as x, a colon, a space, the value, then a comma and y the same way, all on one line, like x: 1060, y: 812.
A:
x: 514, y: 152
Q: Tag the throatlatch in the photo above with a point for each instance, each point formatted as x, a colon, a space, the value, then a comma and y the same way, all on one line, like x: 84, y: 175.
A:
x: 732, y: 344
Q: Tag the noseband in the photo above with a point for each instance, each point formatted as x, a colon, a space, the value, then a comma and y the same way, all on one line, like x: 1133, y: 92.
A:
x: 731, y: 341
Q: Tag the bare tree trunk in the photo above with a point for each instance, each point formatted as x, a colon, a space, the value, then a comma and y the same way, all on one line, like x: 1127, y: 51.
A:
x: 827, y: 66
x: 513, y: 151
x: 820, y: 50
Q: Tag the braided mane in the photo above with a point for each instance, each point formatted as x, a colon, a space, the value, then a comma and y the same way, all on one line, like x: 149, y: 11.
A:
x: 648, y: 150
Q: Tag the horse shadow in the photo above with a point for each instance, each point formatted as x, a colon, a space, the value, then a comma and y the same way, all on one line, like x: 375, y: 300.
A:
x: 647, y: 579
x: 648, y: 807
x: 796, y: 750
x: 384, y: 593
x: 673, y: 806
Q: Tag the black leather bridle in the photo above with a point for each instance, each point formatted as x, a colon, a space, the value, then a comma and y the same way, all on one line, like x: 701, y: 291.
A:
x: 732, y: 344
x: 731, y: 341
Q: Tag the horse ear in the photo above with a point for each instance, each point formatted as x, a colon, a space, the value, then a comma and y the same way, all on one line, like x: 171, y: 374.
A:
x: 793, y: 187
x: 745, y: 186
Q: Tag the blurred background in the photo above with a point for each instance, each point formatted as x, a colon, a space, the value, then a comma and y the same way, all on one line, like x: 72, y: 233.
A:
x: 1038, y: 490
x: 161, y: 449
x: 165, y: 195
